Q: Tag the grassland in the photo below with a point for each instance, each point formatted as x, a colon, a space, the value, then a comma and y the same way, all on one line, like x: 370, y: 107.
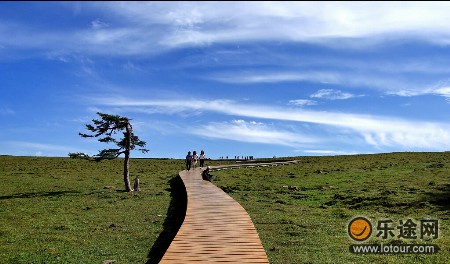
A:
x: 308, y: 224
x: 59, y: 210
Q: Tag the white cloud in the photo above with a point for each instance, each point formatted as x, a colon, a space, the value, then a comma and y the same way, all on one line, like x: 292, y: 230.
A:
x: 138, y: 28
x: 275, y: 77
x: 98, y: 24
x: 331, y: 94
x: 329, y: 152
x: 379, y: 81
x: 223, y: 22
x: 377, y: 131
x: 443, y: 91
x: 254, y: 132
x: 34, y: 148
x: 293, y: 21
x: 407, y: 93
x: 303, y: 102
x: 40, y: 146
x: 398, y: 84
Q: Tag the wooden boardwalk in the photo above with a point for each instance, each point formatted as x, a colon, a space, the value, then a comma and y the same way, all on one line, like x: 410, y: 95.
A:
x: 216, y: 228
x: 251, y: 165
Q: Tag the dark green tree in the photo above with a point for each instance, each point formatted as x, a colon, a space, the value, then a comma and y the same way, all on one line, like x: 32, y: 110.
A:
x: 105, y: 129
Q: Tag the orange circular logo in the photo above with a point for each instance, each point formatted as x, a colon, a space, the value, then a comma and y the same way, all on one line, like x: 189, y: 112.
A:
x: 359, y: 229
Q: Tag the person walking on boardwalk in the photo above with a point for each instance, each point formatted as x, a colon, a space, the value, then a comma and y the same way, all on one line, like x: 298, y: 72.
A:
x: 194, y: 159
x: 188, y: 161
x: 202, y: 158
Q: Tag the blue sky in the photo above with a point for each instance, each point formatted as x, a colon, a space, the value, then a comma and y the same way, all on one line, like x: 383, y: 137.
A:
x: 233, y: 78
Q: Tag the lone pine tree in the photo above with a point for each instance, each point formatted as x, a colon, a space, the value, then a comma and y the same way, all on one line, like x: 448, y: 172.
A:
x: 104, y: 129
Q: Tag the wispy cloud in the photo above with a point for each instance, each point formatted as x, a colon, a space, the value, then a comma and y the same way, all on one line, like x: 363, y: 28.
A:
x: 443, y: 91
x: 377, y: 131
x: 420, y: 83
x: 303, y: 102
x: 38, y: 146
x: 197, y: 23
x: 98, y: 24
x: 34, y: 148
x: 440, y: 89
x: 331, y: 94
x: 373, y: 80
x: 276, y: 77
x: 253, y: 132
x: 328, y: 152
x: 126, y: 28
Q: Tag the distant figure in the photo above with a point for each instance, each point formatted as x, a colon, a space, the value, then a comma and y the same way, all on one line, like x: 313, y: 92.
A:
x: 194, y: 159
x: 136, y: 185
x: 188, y: 161
x: 202, y: 158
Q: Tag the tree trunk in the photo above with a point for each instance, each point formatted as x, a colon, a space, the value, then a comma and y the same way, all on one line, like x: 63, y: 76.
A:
x: 126, y: 176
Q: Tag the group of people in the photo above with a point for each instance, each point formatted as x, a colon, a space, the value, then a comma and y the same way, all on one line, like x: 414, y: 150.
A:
x: 193, y: 158
x: 238, y: 158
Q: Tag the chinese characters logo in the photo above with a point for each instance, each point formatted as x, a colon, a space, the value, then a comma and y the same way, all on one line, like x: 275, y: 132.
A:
x: 360, y: 229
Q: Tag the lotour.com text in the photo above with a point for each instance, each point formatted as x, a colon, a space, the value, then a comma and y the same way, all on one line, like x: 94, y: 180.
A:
x: 394, y: 249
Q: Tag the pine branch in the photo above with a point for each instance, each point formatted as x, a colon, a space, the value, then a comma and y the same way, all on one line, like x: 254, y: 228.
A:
x: 105, y: 128
x: 79, y: 155
x: 108, y: 154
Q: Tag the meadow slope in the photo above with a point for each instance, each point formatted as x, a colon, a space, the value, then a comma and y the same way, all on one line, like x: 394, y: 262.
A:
x: 59, y: 210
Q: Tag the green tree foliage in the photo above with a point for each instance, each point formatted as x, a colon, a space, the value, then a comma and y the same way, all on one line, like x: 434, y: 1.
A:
x: 106, y: 130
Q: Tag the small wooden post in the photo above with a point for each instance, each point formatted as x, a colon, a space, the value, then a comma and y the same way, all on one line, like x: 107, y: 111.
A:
x: 136, y: 184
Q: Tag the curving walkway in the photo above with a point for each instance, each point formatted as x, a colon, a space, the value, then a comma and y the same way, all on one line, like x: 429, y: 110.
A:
x: 216, y: 228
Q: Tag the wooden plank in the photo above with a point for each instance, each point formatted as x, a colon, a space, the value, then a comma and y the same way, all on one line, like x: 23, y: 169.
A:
x: 216, y: 229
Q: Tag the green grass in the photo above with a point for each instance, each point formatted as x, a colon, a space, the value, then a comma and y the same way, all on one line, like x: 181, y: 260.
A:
x: 59, y: 210
x: 309, y: 225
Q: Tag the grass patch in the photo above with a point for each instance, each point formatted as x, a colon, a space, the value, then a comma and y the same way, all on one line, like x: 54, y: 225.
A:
x: 301, y: 211
x: 60, y: 210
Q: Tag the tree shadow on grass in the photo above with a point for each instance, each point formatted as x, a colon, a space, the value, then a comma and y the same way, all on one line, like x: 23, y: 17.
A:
x: 440, y: 197
x: 37, y: 194
x: 173, y: 221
